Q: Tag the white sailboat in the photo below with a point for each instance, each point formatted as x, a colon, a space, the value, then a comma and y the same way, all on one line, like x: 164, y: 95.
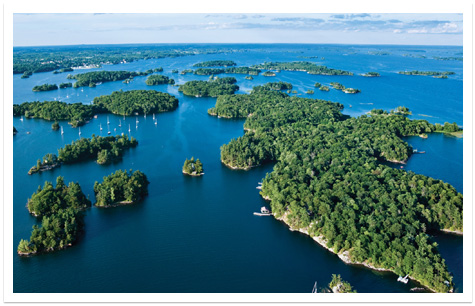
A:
x: 21, y: 118
x: 136, y: 120
x: 145, y: 115
x: 129, y: 128
x: 108, y: 131
x: 108, y: 120
x: 153, y: 116
x: 120, y: 123
x: 62, y: 132
x: 79, y: 132
x: 155, y: 121
x: 100, y: 126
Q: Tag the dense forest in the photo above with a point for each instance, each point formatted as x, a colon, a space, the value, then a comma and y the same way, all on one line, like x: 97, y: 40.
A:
x: 329, y: 180
x: 216, y: 63
x: 92, y: 78
x: 121, y: 188
x: 75, y: 113
x: 212, y: 88
x: 62, y: 217
x: 103, y: 149
x: 157, y: 79
x: 193, y: 167
x: 309, y: 67
x: 65, y: 85
x: 141, y: 101
x: 45, y: 87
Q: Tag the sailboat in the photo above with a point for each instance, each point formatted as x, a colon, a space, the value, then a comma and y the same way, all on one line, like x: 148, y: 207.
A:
x: 21, y: 119
x: 153, y: 116
x: 108, y: 120
x: 314, y: 290
x: 120, y: 123
x: 136, y: 120
x: 108, y: 131
x: 129, y: 128
x: 155, y: 121
x: 62, y: 132
x: 100, y: 125
x: 79, y: 132
x: 124, y: 117
x: 145, y: 115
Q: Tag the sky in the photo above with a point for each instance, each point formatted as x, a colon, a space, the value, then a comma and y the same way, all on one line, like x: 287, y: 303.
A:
x: 35, y: 29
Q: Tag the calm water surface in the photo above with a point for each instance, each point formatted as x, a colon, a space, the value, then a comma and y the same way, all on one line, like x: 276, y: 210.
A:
x: 199, y: 234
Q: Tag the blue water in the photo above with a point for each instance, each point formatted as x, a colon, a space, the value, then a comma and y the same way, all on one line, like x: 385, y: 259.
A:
x: 199, y: 234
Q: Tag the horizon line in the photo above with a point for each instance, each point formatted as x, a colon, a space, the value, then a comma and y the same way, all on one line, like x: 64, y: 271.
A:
x: 235, y: 43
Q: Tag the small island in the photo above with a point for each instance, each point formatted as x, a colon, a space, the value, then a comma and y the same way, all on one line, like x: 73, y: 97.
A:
x: 317, y: 85
x: 338, y: 285
x: 324, y: 88
x: 186, y: 71
x: 159, y: 69
x: 428, y: 73
x: 127, y: 103
x: 45, y: 87
x: 216, y: 63
x: 94, y: 78
x: 339, y: 86
x: 14, y: 131
x: 55, y: 126
x: 371, y: 74
x: 103, y: 149
x: 269, y: 74
x: 273, y: 86
x: 193, y: 167
x: 26, y: 74
x: 62, y: 219
x: 248, y: 77
x: 310, y: 92
x: 65, y: 85
x: 158, y: 79
x: 210, y: 88
x: 121, y: 188
x: 308, y: 67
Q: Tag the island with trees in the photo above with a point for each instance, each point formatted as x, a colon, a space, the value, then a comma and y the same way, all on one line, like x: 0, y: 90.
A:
x: 55, y: 126
x: 269, y: 74
x: 371, y: 74
x: 208, y: 71
x: 93, y: 78
x: 102, y: 149
x: 121, y: 188
x: 324, y: 88
x: 61, y: 209
x: 193, y: 167
x: 45, y: 87
x: 230, y: 70
x: 76, y: 113
x: 248, y: 77
x: 26, y: 74
x: 428, y: 73
x: 330, y: 182
x: 65, y: 85
x: 136, y: 101
x: 338, y: 285
x: 216, y: 63
x: 157, y: 79
x: 308, y: 67
x: 339, y: 86
x: 210, y: 88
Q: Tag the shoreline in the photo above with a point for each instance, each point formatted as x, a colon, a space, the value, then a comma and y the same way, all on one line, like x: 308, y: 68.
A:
x: 191, y: 174
x: 456, y: 232
x: 344, y: 256
x: 239, y: 168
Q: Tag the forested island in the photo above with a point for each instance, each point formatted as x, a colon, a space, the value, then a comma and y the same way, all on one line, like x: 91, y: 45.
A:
x: 141, y: 101
x: 339, y: 86
x: 338, y: 285
x: 157, y: 79
x: 193, y: 167
x: 269, y: 74
x: 42, y: 59
x: 65, y: 85
x: 430, y: 73
x: 216, y: 63
x: 103, y: 149
x: 273, y: 86
x: 210, y: 88
x: 309, y: 67
x: 371, y: 74
x: 92, y: 78
x: 62, y: 217
x: 324, y: 88
x: 329, y: 182
x: 45, y: 87
x: 121, y: 188
x: 76, y: 113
